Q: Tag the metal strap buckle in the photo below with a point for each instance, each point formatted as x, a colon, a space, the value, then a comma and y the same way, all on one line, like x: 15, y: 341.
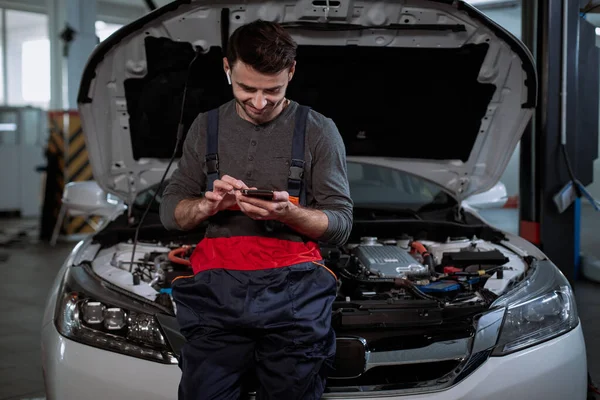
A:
x: 296, y: 169
x: 212, y: 163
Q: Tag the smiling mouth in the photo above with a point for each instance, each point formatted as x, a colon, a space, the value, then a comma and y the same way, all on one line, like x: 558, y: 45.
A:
x: 257, y: 111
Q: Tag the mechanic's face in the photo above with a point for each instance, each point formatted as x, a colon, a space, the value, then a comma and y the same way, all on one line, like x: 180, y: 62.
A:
x: 260, y: 97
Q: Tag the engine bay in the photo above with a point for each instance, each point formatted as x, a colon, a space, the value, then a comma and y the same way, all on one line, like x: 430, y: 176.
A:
x: 459, y: 269
x: 377, y: 271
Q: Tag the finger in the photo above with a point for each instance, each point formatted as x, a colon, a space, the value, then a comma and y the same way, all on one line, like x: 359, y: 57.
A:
x: 212, y: 196
x: 270, y: 206
x: 281, y: 196
x: 236, y: 183
x: 254, y: 201
x: 223, y: 186
x: 253, y: 211
x: 244, y: 206
x: 239, y: 197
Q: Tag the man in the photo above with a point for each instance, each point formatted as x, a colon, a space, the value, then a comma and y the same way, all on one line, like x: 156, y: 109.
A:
x: 260, y: 299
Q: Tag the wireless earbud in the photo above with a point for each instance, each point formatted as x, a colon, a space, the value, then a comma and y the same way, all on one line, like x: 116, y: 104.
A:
x: 228, y: 77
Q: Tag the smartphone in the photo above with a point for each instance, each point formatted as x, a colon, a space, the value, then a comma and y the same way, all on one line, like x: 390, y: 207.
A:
x: 259, y: 193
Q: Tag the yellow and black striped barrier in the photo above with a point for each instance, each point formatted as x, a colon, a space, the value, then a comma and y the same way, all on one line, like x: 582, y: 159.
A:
x: 78, y: 169
x: 68, y: 161
x: 56, y: 147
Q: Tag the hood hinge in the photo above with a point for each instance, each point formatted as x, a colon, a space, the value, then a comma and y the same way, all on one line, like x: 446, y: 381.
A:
x: 458, y: 213
x: 463, y: 184
x: 326, y: 9
x: 131, y: 194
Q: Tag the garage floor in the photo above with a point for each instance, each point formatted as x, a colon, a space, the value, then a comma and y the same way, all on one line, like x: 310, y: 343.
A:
x: 28, y: 270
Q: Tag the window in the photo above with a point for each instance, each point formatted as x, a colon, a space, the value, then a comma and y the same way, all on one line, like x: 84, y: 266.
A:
x: 27, y: 59
x: 35, y: 85
x: 2, y: 84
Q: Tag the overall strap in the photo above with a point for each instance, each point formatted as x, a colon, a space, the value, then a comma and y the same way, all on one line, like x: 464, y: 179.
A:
x: 296, y: 173
x: 212, y: 143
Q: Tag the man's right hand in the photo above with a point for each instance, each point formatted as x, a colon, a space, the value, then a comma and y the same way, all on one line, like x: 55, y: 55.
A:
x: 222, y: 196
x: 191, y: 212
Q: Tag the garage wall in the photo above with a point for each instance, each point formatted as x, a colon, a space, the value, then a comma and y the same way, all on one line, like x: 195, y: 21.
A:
x: 510, y: 19
x: 594, y: 187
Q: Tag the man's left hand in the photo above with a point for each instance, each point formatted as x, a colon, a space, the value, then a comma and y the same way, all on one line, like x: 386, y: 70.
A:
x: 260, y: 209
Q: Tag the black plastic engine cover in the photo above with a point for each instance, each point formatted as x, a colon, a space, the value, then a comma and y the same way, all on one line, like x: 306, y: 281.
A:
x: 463, y: 259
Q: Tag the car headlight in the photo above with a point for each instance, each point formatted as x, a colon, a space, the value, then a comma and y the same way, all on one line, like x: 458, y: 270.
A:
x: 98, y: 322
x: 541, y: 309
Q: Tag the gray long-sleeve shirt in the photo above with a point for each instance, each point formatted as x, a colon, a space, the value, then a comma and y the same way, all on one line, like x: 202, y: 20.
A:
x: 260, y: 156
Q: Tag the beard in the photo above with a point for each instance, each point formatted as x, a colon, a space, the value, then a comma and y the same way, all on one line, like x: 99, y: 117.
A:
x: 269, y: 112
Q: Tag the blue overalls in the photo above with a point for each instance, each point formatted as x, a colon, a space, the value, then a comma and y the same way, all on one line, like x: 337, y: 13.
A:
x: 272, y: 326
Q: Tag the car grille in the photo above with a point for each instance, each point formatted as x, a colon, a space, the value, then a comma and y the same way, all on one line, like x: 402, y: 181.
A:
x: 403, y: 370
x: 421, y: 369
x: 398, y: 369
x: 393, y: 377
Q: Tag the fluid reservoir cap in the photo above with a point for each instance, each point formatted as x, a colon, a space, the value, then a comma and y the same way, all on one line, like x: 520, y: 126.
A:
x: 403, y: 243
x: 369, y: 241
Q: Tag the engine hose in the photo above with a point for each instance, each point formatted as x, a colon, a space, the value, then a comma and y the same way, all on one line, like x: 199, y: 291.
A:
x: 428, y: 260
x: 398, y: 282
x: 418, y: 246
x: 478, y: 273
x: 427, y: 257
x: 406, y: 284
x: 174, y: 256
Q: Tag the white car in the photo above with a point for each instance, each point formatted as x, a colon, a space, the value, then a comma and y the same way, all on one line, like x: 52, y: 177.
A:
x: 431, y: 98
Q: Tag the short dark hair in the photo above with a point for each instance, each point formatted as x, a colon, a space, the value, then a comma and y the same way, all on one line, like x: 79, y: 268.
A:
x: 263, y: 45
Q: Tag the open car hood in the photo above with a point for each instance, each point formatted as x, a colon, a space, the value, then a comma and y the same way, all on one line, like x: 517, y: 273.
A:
x: 433, y: 87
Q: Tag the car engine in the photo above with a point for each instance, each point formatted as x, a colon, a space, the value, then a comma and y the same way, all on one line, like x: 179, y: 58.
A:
x: 387, y: 261
x: 454, y: 271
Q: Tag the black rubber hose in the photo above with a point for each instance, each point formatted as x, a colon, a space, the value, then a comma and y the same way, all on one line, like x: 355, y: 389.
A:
x: 406, y: 284
x: 428, y: 260
x: 398, y: 282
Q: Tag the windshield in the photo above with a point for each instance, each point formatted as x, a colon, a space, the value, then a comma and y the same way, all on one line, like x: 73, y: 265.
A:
x: 375, y: 186
x: 372, y: 186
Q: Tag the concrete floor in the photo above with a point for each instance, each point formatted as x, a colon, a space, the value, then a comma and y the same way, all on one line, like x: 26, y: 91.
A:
x: 31, y: 267
x: 27, y: 276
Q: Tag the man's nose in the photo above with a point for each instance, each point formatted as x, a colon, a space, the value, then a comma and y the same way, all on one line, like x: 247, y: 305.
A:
x: 259, y: 101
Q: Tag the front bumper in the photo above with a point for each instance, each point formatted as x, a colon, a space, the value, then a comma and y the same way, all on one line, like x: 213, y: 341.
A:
x: 556, y: 369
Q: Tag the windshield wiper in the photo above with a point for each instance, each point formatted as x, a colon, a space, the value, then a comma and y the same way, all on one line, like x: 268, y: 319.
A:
x: 432, y: 207
x: 334, y: 26
x: 384, y: 213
